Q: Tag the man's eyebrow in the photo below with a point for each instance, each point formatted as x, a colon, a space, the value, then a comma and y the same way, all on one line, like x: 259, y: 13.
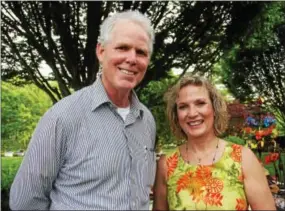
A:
x: 122, y: 43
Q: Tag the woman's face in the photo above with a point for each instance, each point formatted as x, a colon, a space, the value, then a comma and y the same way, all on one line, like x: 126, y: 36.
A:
x: 195, y: 111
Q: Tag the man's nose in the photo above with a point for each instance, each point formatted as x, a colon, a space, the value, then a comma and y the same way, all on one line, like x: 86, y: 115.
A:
x: 132, y: 57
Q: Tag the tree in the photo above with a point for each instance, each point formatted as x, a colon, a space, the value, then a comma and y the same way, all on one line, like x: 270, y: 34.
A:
x: 64, y: 35
x: 21, y: 110
x: 152, y: 95
x: 263, y: 74
x: 256, y: 67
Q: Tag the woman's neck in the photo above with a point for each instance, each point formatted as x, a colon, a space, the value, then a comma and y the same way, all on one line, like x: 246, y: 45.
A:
x: 203, y: 144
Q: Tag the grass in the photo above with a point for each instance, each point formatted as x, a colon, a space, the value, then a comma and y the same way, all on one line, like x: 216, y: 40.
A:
x: 9, y: 169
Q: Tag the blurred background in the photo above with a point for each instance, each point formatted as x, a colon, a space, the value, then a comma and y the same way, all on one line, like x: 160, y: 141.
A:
x: 48, y: 52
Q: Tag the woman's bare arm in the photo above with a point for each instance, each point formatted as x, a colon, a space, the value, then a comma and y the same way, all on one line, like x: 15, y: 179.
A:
x: 160, y: 186
x: 256, y: 186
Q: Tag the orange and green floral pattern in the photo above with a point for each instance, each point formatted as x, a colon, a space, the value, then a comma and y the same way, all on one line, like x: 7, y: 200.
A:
x: 206, y: 187
x: 171, y: 164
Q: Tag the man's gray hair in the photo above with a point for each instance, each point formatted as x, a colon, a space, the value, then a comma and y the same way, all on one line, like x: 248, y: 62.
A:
x: 108, y: 24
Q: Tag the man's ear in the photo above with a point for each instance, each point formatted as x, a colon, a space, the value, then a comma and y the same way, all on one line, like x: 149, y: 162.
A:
x: 100, y: 52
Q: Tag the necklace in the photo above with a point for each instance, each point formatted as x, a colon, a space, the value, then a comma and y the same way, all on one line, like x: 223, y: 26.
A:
x: 200, y: 159
x: 199, y: 163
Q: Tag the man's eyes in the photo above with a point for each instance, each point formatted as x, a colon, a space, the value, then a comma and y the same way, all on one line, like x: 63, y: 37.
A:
x: 122, y: 48
x: 141, y: 52
x: 125, y: 48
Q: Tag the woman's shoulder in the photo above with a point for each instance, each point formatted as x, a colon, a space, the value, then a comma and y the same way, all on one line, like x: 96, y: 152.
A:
x: 171, y: 152
x: 232, y: 145
x: 233, y: 151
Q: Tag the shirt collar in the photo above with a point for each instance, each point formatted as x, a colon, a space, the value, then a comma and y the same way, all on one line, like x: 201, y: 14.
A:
x: 100, y: 97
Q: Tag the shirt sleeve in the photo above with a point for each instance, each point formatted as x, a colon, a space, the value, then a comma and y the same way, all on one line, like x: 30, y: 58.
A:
x: 34, y: 179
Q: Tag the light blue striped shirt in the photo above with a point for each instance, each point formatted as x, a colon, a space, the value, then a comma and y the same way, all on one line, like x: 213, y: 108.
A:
x: 84, y: 156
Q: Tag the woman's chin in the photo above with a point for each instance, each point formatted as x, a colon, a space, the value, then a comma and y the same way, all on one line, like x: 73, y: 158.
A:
x: 197, y: 132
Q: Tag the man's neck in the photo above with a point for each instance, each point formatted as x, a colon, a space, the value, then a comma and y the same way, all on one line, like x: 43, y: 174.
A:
x: 120, y: 99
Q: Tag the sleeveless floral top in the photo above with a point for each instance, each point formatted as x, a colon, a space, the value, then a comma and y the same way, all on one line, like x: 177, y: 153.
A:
x: 206, y: 187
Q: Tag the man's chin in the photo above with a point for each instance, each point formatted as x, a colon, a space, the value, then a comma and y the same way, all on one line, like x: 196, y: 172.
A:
x: 128, y: 85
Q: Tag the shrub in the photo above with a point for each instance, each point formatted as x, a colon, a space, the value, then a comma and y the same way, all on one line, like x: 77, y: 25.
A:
x: 235, y: 140
x: 9, y: 169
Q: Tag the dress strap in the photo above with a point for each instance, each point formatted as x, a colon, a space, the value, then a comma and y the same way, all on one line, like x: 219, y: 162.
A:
x: 172, y: 158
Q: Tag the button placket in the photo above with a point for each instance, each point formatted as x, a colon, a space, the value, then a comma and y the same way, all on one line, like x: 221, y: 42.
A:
x: 145, y: 153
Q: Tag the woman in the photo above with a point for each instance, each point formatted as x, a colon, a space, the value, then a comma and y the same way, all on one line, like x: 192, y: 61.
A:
x: 206, y: 172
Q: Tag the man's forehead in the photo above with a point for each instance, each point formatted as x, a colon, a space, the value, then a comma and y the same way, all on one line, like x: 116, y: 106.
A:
x: 125, y: 26
x: 126, y: 22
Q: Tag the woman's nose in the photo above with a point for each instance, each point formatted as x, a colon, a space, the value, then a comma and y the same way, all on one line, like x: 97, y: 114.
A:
x: 192, y: 112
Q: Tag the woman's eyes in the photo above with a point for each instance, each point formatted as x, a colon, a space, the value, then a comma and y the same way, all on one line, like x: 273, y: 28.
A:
x: 198, y: 104
x: 182, y: 107
x: 201, y: 103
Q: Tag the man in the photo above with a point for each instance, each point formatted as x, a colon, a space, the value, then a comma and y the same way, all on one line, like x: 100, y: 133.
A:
x: 94, y: 148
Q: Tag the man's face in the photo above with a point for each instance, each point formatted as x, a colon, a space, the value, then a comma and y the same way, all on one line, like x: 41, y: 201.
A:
x: 124, y: 57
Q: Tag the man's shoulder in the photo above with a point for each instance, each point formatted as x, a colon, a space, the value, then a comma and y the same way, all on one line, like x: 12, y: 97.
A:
x: 73, y: 104
x: 145, y: 109
x: 146, y: 112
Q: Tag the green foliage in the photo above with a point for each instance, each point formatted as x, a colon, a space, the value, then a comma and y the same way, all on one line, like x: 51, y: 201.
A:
x: 254, y: 47
x: 235, y: 140
x: 152, y: 97
x: 64, y: 34
x: 9, y: 169
x: 271, y: 16
x: 22, y: 108
x: 254, y: 67
x: 280, y: 117
x: 270, y: 166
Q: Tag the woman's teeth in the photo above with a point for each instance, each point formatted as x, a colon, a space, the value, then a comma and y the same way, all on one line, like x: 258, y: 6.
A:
x: 195, y: 123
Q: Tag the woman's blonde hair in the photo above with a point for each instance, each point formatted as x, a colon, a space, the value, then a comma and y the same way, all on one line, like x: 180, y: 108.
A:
x: 219, y: 105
